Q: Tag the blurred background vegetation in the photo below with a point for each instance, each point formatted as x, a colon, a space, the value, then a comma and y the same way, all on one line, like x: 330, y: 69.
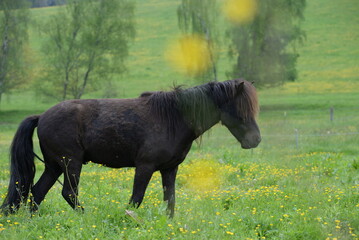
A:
x: 86, y: 49
x: 126, y: 47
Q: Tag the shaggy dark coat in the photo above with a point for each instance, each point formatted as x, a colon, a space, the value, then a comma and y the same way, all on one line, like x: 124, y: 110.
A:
x: 152, y: 132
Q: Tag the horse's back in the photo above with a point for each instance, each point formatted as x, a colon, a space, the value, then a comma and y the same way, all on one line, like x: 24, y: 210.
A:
x: 114, y: 132
x: 95, y: 128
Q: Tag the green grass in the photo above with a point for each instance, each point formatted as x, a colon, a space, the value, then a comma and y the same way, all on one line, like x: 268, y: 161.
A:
x: 304, y: 187
x: 331, y: 52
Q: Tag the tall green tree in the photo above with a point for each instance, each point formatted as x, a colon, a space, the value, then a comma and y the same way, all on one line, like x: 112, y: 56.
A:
x: 200, y: 17
x: 87, y: 43
x: 14, y: 16
x: 265, y: 49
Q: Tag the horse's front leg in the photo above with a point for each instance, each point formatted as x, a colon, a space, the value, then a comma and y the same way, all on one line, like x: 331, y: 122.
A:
x: 168, y: 183
x: 143, y: 176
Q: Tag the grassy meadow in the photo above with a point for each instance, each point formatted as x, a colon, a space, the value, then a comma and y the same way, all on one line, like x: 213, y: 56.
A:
x: 302, y: 182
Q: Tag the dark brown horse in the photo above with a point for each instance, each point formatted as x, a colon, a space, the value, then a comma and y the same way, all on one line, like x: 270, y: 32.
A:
x: 151, y: 133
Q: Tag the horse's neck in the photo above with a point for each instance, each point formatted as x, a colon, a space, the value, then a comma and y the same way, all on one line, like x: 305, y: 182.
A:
x: 199, y: 110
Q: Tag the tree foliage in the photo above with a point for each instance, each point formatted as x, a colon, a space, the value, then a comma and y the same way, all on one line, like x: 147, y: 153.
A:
x: 87, y: 43
x: 199, y: 17
x: 14, y: 16
x: 265, y: 49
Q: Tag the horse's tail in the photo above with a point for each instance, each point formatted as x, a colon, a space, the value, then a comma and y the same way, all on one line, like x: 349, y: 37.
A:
x: 22, y: 167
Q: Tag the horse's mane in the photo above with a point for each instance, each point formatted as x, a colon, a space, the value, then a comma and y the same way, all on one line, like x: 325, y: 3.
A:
x: 197, y: 103
x: 247, y: 103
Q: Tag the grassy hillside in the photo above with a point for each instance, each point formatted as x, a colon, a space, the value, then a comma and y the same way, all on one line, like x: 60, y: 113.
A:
x: 328, y: 58
x: 302, y: 182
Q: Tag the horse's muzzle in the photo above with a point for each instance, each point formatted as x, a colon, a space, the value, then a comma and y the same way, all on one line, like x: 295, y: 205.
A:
x: 251, y: 142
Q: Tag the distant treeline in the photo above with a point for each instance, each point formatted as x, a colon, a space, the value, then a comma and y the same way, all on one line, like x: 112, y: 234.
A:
x: 46, y: 3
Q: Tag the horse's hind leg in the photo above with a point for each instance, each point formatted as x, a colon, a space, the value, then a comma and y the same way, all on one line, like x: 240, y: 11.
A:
x: 43, y: 185
x: 72, y: 170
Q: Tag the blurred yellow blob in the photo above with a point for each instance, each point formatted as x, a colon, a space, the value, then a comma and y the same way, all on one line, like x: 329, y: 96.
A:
x: 189, y: 54
x: 203, y: 176
x: 240, y: 11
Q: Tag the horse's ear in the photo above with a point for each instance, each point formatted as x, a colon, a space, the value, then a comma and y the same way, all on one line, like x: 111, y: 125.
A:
x: 239, y: 87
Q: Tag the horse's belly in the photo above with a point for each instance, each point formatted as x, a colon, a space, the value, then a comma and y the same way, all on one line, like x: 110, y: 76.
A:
x: 114, y: 164
x: 110, y: 157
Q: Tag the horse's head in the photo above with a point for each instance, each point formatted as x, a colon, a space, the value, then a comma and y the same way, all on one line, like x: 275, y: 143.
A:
x: 238, y: 113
